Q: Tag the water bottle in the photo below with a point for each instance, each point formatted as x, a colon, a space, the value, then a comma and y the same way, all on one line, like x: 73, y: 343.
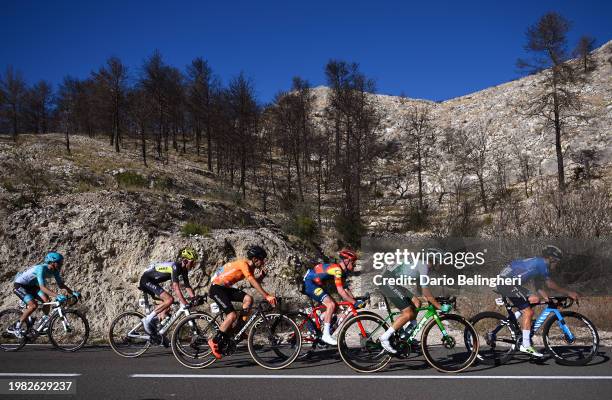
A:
x: 43, y: 321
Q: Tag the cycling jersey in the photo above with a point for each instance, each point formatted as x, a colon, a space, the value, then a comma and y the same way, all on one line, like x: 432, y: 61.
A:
x: 314, y: 278
x: 400, y: 296
x: 528, y: 269
x: 166, y: 271
x: 324, y: 272
x: 37, y: 276
x: 232, y: 273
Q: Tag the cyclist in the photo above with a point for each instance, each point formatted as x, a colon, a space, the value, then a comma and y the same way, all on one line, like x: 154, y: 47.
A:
x: 222, y: 292
x: 314, y: 278
x: 31, y: 285
x: 536, y: 269
x: 160, y: 272
x: 402, y: 298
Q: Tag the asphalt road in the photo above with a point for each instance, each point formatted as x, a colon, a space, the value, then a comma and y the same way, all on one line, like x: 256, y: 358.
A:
x: 100, y: 374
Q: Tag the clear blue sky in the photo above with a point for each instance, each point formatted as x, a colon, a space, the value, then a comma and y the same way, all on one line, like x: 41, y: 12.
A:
x: 434, y: 50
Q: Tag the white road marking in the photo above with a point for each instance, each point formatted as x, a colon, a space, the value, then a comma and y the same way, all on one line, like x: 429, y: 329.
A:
x: 228, y: 376
x: 36, y: 374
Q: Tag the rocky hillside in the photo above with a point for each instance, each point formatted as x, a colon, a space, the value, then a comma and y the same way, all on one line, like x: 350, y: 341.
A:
x: 111, y: 223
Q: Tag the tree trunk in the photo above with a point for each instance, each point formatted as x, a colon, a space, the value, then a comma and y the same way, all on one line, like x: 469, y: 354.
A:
x: 558, y: 148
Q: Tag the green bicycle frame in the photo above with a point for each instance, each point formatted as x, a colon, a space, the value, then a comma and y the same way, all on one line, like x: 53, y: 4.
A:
x: 430, y: 313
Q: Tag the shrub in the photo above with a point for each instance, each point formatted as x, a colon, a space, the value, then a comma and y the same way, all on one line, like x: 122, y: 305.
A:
x: 131, y: 179
x: 195, y: 228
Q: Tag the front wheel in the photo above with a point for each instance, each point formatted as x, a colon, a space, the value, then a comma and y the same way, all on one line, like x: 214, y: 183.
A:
x: 190, y: 340
x: 572, y: 341
x: 127, y: 336
x: 274, y: 341
x: 70, y: 331
x: 8, y: 340
x: 496, y: 338
x: 359, y: 345
x: 450, y: 345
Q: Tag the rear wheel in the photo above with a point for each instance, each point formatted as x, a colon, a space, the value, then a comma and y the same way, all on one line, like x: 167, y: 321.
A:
x: 127, y: 336
x: 452, y: 349
x: 574, y: 341
x: 497, y: 340
x: 8, y: 340
x: 359, y: 345
x: 274, y: 341
x: 190, y: 340
x: 70, y: 331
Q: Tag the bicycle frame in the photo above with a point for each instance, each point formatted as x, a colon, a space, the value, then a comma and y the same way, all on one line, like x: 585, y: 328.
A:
x: 349, y: 309
x: 56, y: 309
x: 535, y: 326
x: 430, y: 312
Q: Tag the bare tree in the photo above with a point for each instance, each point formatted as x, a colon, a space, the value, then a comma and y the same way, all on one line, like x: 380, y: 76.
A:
x: 557, y: 101
x: 418, y: 135
x: 201, y: 85
x: 586, y: 44
x: 13, y: 87
x: 38, y: 106
x: 112, y: 81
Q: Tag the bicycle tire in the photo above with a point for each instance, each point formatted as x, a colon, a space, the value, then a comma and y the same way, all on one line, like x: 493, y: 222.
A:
x: 367, y: 346
x: 488, y: 354
x: 56, y: 318
x: 293, y: 345
x: 116, y: 348
x: 201, y: 355
x: 471, y: 349
x: 15, y: 344
x: 583, y: 359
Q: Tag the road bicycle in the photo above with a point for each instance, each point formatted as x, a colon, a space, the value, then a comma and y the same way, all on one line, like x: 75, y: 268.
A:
x: 127, y: 336
x: 66, y: 328
x: 273, y: 338
x: 569, y: 336
x: 448, y: 341
x: 310, y: 321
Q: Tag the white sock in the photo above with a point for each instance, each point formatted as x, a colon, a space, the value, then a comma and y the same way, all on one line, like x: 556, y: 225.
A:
x: 18, y: 324
x: 526, y: 338
x: 150, y: 317
x: 387, y: 334
x: 326, y: 329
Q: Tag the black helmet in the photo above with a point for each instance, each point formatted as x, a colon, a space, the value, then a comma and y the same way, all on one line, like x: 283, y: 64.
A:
x: 257, y: 252
x: 552, y: 252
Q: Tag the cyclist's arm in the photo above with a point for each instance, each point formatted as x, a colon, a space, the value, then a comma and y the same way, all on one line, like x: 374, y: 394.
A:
x: 430, y: 297
x: 42, y: 283
x: 176, y: 288
x: 257, y: 286
x: 554, y: 286
x: 345, y: 294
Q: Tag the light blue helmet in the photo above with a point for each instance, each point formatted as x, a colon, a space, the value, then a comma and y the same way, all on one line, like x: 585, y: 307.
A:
x: 54, y: 257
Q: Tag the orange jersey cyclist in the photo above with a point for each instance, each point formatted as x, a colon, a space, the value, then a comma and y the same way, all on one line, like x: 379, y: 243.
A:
x: 314, y: 278
x: 222, y: 292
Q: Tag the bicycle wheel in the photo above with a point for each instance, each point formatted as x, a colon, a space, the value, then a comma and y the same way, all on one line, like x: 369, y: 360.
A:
x: 308, y: 332
x: 359, y: 345
x: 274, y: 341
x: 454, y: 350
x: 497, y: 339
x: 68, y: 332
x: 190, y: 340
x: 8, y: 341
x: 127, y: 336
x: 574, y: 341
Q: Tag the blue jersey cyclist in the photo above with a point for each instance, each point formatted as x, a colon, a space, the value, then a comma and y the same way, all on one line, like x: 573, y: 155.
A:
x: 31, y: 285
x: 314, y: 279
x: 160, y: 272
x: 536, y: 270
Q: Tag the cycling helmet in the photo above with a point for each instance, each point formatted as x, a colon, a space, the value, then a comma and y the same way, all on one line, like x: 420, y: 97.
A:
x: 54, y: 257
x: 348, y: 254
x: 552, y: 252
x: 188, y: 253
x: 257, y: 252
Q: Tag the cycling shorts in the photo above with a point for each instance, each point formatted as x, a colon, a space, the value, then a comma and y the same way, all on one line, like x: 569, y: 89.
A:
x: 224, y: 296
x: 28, y: 293
x: 399, y: 296
x: 150, y: 287
x: 314, y: 291
x: 518, y: 295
